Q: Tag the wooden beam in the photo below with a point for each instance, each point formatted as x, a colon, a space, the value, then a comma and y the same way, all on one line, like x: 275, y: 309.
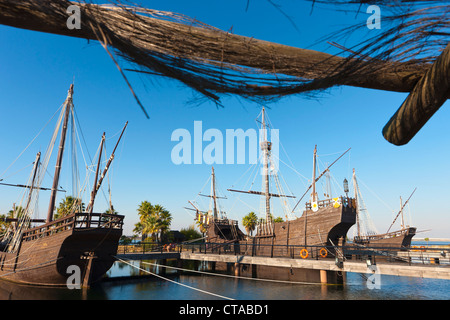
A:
x: 18, y: 219
x: 223, y: 47
x: 430, y: 93
x: 262, y: 193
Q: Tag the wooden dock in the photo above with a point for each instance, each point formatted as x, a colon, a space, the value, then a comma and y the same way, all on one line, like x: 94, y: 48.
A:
x: 394, y: 269
x: 149, y: 256
x: 416, y: 262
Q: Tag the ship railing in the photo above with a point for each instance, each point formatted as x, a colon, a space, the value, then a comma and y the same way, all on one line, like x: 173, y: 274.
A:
x: 369, y: 237
x: 98, y: 220
x: 75, y: 221
x: 226, y: 221
x: 147, y: 247
x: 265, y: 228
x: 384, y: 254
x: 343, y: 201
x: 209, y: 219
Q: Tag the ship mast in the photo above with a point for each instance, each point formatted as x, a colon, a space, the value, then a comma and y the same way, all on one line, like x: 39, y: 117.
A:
x: 94, y: 190
x: 403, y: 220
x: 213, y: 187
x: 35, y: 169
x: 317, y: 179
x: 314, y: 193
x: 68, y: 105
x: 401, y: 210
x: 265, y: 148
x: 355, y: 185
x: 98, y: 184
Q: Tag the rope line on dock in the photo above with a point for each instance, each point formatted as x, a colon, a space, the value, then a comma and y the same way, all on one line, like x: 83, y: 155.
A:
x: 175, y: 282
x: 238, y: 277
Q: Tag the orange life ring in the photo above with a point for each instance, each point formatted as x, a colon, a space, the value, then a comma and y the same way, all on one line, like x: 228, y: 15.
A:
x: 323, y: 252
x: 304, y: 253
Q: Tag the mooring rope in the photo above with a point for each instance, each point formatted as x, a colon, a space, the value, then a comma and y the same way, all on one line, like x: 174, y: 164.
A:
x: 175, y: 282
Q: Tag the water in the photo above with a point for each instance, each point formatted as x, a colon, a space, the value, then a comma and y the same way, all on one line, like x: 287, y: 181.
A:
x: 145, y: 287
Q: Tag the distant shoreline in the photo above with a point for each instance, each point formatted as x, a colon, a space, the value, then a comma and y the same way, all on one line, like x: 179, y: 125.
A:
x: 431, y: 239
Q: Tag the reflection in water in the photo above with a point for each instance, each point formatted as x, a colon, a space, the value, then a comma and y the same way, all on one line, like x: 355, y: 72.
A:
x: 124, y: 282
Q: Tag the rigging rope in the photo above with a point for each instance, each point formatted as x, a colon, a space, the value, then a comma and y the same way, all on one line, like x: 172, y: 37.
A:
x: 31, y: 142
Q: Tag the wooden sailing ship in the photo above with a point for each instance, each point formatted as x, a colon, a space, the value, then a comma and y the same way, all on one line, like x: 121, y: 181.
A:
x: 218, y: 228
x: 368, y: 236
x: 323, y: 222
x: 80, y: 244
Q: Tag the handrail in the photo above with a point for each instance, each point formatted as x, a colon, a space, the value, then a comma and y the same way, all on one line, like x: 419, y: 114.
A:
x: 75, y: 221
x: 381, y: 236
x: 349, y: 251
x: 344, y: 202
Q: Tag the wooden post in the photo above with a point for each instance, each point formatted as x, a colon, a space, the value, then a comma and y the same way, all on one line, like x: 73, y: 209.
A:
x: 429, y: 94
x: 254, y: 271
x: 323, y: 276
x: 237, y: 269
x: 88, y: 270
x: 163, y: 269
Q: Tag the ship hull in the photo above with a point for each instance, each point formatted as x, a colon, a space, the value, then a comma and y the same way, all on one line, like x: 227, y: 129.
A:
x: 50, y: 260
x: 326, y: 227
x: 396, y: 239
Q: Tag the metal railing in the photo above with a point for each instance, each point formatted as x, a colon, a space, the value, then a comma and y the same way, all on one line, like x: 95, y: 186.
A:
x: 352, y: 252
x: 148, y: 247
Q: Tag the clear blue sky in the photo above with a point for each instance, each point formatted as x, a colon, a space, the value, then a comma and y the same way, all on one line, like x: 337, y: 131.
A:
x: 38, y: 68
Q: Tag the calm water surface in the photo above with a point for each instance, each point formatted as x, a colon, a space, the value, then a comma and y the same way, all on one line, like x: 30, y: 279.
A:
x: 152, y: 288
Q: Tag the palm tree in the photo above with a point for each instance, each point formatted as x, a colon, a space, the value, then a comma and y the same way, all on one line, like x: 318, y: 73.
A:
x: 144, y: 211
x: 4, y: 225
x: 201, y: 227
x: 68, y: 206
x: 153, y: 219
x: 16, y: 212
x: 111, y: 211
x: 164, y: 219
x: 190, y: 233
x: 249, y: 222
x: 278, y: 219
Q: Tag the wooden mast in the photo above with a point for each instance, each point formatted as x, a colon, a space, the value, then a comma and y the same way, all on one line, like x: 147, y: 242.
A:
x: 213, y: 186
x: 314, y: 193
x: 68, y: 105
x: 35, y: 168
x: 108, y: 164
x: 93, y: 192
x: 403, y: 218
x: 265, y: 148
x: 401, y: 210
x: 317, y: 179
x: 355, y: 186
